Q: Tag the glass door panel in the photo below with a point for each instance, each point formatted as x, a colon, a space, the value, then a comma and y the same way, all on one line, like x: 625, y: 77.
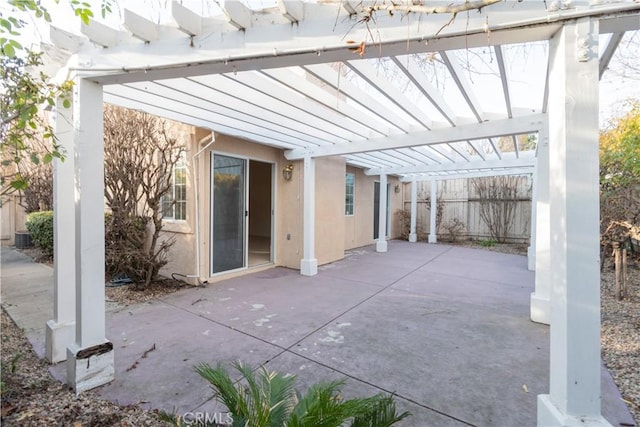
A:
x: 229, y: 213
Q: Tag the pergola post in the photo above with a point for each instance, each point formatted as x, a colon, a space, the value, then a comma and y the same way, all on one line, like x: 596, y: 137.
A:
x: 90, y: 359
x: 60, y: 331
x: 574, y: 397
x: 309, y: 263
x: 381, y: 243
x: 433, y: 210
x: 413, y: 235
x: 531, y: 250
x: 540, y: 305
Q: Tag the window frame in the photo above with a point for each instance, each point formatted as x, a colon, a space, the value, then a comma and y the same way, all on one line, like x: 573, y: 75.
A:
x: 170, y: 214
x: 350, y: 194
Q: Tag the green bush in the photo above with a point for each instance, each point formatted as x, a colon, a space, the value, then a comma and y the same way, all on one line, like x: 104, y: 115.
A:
x: 488, y: 243
x: 265, y: 399
x: 40, y: 226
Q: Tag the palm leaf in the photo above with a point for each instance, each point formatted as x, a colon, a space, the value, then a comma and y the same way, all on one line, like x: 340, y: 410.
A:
x: 321, y: 406
x: 382, y: 414
x: 232, y: 397
x: 268, y: 399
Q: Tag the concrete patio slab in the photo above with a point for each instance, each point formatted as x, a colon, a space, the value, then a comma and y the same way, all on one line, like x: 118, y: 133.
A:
x: 445, y: 328
x: 418, y: 347
x: 281, y: 311
x: 186, y: 340
x: 501, y: 296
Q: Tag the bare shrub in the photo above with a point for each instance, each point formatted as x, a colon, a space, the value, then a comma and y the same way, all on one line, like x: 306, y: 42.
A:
x: 620, y: 216
x: 498, y: 197
x: 452, y: 230
x: 139, y: 159
x: 404, y: 216
x: 38, y: 196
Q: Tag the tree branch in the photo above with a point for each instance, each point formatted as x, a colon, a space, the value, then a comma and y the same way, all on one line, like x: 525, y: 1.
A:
x: 428, y: 10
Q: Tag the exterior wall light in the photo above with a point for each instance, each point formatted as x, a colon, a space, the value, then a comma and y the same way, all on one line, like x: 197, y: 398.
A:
x: 397, y: 188
x: 287, y: 172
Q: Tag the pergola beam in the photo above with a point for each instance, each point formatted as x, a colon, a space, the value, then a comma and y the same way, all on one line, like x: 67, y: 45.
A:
x: 365, y: 70
x: 335, y: 79
x: 274, y: 94
x: 412, y: 70
x: 464, y: 85
x: 291, y: 10
x: 309, y: 43
x: 468, y: 175
x: 482, y: 130
x: 66, y: 40
x: 479, y: 165
x: 218, y: 101
x: 140, y: 27
x: 297, y: 83
x: 100, y: 34
x: 197, y: 117
x: 504, y: 78
x: 237, y: 14
x: 188, y: 21
x: 606, y: 56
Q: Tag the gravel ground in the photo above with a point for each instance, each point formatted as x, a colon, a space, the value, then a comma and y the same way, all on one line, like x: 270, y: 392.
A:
x: 620, y: 335
x: 31, y: 397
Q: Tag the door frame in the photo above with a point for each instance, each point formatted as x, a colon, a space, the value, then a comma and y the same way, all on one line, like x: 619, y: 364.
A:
x: 246, y: 159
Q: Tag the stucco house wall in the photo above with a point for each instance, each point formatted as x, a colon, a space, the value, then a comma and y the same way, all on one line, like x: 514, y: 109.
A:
x: 330, y: 195
x: 335, y: 232
x: 359, y: 226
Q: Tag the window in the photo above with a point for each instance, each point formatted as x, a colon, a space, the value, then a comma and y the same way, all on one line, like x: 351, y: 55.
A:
x: 350, y: 184
x: 174, y: 204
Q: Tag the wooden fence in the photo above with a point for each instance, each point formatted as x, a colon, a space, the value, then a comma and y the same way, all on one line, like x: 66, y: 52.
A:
x: 459, y: 202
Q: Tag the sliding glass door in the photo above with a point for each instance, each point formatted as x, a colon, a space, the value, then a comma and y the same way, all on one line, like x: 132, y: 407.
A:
x: 229, y: 213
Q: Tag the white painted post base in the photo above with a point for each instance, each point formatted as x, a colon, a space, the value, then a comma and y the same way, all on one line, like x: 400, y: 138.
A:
x: 85, y: 372
x: 413, y: 237
x: 308, y: 267
x: 540, y: 309
x: 58, y: 337
x: 381, y: 245
x: 531, y: 258
x: 550, y: 416
x: 433, y: 238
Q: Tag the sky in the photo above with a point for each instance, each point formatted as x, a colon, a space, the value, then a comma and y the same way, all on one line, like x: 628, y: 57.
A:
x: 615, y: 86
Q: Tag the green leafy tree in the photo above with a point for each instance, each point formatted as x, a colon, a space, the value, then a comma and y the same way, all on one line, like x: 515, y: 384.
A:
x: 620, y: 149
x: 620, y: 177
x: 269, y: 399
x: 21, y: 95
x: 24, y: 91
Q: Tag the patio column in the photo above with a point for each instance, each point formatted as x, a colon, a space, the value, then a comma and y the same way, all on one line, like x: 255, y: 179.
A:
x: 60, y: 331
x: 413, y: 235
x: 574, y: 397
x: 433, y: 227
x: 309, y: 263
x: 531, y: 250
x: 540, y: 306
x: 90, y: 361
x: 381, y: 243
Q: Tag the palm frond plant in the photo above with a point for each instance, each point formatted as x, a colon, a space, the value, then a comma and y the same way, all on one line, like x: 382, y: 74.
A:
x: 268, y: 399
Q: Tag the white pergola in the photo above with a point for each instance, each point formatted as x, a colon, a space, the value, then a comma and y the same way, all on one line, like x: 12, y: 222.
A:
x: 306, y: 78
